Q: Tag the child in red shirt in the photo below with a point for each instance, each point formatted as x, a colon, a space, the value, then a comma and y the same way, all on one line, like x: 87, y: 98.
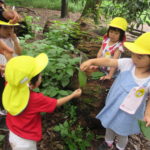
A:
x: 23, y: 105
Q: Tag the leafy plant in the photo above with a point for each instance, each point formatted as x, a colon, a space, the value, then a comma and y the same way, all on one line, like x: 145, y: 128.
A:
x: 33, y: 28
x: 137, y: 13
x: 70, y: 112
x: 60, y: 52
x: 74, y: 138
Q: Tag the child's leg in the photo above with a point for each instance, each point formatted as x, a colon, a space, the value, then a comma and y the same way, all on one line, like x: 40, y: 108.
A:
x: 122, y: 142
x: 109, y: 139
x: 109, y: 136
x: 18, y: 143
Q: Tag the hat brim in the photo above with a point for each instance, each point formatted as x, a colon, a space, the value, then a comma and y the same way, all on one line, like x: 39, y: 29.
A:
x: 136, y: 49
x: 21, y: 95
x: 8, y: 23
x: 115, y: 26
x: 41, y: 62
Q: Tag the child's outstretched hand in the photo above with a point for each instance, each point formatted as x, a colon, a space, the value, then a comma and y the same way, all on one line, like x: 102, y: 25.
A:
x: 85, y: 65
x: 77, y: 93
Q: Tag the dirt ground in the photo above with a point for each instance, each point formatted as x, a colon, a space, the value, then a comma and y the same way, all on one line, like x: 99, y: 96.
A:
x: 46, y: 14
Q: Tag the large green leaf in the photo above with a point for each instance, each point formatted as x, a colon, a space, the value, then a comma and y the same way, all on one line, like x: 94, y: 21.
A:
x: 82, y: 78
x: 145, y: 130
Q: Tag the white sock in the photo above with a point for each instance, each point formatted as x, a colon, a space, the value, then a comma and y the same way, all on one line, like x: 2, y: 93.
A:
x: 119, y: 147
x: 110, y: 143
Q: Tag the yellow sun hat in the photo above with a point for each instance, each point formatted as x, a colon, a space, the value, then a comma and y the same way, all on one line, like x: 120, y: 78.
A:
x: 18, y: 73
x: 8, y: 23
x: 119, y: 22
x: 141, y: 45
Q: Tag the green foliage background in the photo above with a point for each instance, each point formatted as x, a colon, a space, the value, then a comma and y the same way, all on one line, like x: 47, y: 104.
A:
x: 63, y: 57
x: 135, y: 11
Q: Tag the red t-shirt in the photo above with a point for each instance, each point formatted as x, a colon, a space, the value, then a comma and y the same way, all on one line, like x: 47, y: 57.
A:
x: 28, y: 124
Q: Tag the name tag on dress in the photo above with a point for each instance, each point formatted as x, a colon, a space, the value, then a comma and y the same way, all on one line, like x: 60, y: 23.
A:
x: 133, y: 100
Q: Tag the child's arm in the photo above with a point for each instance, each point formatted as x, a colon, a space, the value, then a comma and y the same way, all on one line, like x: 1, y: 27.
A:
x: 64, y: 100
x: 108, y: 62
x: 17, y: 46
x: 112, y: 69
x: 147, y: 113
x: 5, y: 50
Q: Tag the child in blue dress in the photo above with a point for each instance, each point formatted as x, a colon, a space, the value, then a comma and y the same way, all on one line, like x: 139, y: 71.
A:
x: 127, y: 98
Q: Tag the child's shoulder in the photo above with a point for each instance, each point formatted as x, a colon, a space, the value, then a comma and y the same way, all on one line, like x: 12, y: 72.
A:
x: 34, y: 94
x: 105, y: 37
x: 125, y: 64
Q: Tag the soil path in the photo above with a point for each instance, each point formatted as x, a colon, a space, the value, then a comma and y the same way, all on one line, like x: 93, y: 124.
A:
x: 46, y: 14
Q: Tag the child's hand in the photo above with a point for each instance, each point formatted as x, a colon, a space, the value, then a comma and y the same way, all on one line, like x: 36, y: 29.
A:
x: 107, y: 77
x: 77, y: 93
x: 13, y: 36
x: 93, y: 67
x: 15, y: 18
x: 2, y: 68
x: 8, y: 55
x: 147, y: 120
x: 85, y: 65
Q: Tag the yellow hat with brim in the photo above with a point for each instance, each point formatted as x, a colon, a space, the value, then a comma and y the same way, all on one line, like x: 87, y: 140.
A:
x: 141, y: 45
x: 18, y: 73
x: 120, y: 23
x: 8, y: 23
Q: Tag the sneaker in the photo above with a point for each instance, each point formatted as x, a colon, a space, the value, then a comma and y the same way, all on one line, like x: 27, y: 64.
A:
x: 104, y: 146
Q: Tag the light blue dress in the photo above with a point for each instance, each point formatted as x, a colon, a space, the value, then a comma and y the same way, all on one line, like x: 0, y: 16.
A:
x: 111, y: 116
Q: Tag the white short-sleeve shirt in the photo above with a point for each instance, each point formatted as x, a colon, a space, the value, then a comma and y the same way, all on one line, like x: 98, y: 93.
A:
x: 9, y: 42
x: 126, y: 64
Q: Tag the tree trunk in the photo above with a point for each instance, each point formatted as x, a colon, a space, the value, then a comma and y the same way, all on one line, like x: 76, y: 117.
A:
x: 91, y: 9
x: 64, y: 8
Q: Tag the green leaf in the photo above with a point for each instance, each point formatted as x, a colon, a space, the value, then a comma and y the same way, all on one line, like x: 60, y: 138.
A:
x: 56, y: 128
x: 145, y: 130
x: 65, y: 82
x: 2, y: 137
x: 70, y: 71
x: 63, y: 92
x: 97, y: 75
x: 82, y: 78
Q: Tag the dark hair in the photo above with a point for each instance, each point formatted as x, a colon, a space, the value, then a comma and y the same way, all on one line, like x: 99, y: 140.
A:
x: 35, y: 79
x: 2, y: 1
x: 122, y: 33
